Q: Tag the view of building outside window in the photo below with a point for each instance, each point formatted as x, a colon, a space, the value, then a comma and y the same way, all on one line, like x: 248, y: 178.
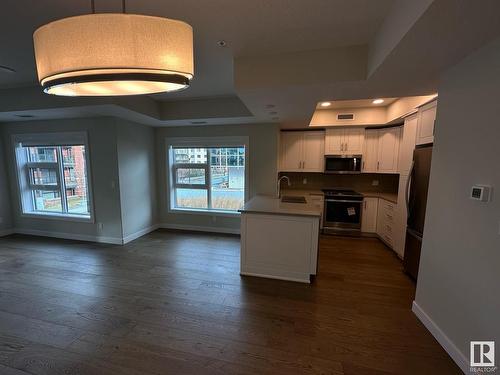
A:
x: 209, y: 178
x: 52, y: 193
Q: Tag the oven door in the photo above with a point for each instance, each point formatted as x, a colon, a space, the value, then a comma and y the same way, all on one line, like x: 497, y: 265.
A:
x: 343, y: 213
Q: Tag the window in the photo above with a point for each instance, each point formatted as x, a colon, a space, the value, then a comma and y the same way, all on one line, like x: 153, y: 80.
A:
x: 53, y: 178
x: 210, y: 178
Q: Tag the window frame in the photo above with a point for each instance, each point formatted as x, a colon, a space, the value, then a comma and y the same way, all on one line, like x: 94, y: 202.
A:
x: 201, y: 142
x: 25, y: 185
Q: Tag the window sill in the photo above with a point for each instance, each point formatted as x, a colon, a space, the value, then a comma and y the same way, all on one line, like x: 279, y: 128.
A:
x: 193, y: 211
x: 51, y: 216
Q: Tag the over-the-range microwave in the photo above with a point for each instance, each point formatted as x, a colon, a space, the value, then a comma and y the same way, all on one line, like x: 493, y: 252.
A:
x: 343, y: 164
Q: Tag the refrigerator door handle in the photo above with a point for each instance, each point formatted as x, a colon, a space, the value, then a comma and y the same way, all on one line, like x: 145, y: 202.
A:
x: 414, y: 234
x: 407, y: 193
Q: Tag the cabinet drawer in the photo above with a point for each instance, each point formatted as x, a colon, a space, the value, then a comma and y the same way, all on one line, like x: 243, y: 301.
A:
x: 388, y: 211
x: 388, y: 206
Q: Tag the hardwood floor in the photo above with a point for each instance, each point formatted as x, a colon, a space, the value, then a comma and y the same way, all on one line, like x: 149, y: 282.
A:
x: 174, y: 303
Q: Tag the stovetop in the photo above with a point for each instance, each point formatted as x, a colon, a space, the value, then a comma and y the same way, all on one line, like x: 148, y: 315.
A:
x: 341, y: 193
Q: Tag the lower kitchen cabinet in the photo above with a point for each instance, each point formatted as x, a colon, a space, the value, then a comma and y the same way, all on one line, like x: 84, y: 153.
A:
x: 369, y: 217
x: 387, y: 221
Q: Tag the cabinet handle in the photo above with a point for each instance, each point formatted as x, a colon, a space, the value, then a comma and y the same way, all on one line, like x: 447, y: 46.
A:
x: 345, y: 146
x: 378, y: 165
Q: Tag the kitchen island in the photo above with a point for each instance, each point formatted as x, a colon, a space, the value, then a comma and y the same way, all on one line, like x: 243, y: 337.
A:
x: 280, y: 240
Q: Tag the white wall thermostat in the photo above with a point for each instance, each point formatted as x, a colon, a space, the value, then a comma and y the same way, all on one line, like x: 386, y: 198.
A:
x: 480, y: 193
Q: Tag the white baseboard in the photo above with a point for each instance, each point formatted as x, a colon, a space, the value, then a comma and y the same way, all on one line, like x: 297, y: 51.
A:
x: 200, y: 228
x: 450, y: 348
x: 140, y: 233
x: 6, y: 232
x: 70, y: 236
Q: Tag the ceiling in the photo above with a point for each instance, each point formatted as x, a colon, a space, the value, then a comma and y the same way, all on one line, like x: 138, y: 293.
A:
x: 249, y: 27
x: 288, y: 53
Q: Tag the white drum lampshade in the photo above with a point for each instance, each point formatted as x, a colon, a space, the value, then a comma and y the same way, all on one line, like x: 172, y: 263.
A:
x: 114, y: 54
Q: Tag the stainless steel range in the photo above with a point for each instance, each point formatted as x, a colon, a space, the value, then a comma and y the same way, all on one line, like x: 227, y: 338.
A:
x: 343, y: 211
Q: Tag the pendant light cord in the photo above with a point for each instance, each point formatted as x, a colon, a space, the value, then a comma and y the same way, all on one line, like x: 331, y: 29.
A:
x: 92, y: 6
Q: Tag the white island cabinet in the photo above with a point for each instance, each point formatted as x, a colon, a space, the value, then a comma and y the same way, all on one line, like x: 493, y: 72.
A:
x: 279, y: 240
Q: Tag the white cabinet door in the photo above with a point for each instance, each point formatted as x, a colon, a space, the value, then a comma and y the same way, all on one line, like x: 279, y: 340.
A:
x: 388, y: 150
x: 370, y: 154
x: 426, y: 120
x: 291, y: 151
x: 369, y: 217
x: 353, y: 141
x: 334, y: 142
x: 407, y: 144
x: 313, y: 151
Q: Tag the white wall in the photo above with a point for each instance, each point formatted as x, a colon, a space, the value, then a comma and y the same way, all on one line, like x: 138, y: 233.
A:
x: 263, y: 153
x: 459, y: 277
x: 105, y: 180
x: 136, y: 164
x: 5, y: 206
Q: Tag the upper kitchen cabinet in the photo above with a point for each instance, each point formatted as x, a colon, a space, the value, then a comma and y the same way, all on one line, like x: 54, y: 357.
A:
x: 302, y: 151
x: 381, y: 150
x: 408, y: 144
x: 426, y: 118
x: 370, y: 154
x: 388, y: 150
x: 344, y: 141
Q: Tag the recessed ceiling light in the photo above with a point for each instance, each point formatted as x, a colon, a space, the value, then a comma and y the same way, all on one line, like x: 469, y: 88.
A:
x: 378, y: 101
x: 25, y: 116
x: 199, y: 122
x: 222, y: 43
x: 6, y: 69
x: 326, y: 104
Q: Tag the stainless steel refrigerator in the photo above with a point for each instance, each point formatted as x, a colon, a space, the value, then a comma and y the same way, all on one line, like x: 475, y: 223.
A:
x: 416, y: 202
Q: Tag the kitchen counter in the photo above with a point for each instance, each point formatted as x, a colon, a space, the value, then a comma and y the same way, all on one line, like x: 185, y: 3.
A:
x: 393, y: 198
x: 264, y: 204
x: 301, y: 192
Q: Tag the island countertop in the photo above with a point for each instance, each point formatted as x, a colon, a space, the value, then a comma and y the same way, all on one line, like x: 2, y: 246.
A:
x: 264, y: 204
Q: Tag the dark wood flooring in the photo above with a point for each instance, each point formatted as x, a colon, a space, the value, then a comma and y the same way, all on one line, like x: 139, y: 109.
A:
x: 174, y: 303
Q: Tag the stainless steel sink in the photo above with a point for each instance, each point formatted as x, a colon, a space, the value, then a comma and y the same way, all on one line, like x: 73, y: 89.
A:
x: 293, y: 199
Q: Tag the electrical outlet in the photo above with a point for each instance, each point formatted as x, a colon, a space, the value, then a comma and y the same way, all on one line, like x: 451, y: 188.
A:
x: 100, y: 226
x: 304, y: 181
x: 375, y: 183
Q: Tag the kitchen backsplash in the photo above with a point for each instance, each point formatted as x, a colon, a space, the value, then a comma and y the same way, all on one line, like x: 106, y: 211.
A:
x: 387, y: 183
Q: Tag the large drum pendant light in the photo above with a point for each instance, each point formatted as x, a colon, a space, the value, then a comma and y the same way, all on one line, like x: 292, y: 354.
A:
x: 114, y: 54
